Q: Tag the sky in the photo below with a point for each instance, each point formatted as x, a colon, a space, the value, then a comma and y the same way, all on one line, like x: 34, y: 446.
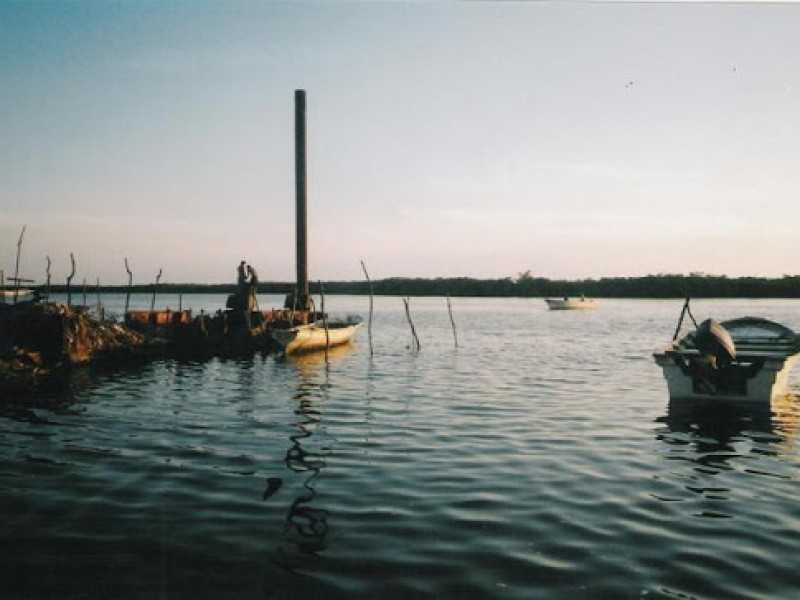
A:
x: 445, y: 139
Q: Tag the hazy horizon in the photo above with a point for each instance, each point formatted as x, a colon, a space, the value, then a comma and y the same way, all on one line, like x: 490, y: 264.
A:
x: 575, y: 140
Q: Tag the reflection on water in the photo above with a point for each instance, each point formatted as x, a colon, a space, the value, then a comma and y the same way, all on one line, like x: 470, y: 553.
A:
x: 713, y: 425
x: 727, y: 446
x: 311, y: 363
x: 307, y: 525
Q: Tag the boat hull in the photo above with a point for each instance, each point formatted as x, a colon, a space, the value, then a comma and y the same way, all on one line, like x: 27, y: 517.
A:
x: 314, y: 337
x: 571, y: 303
x: 766, y: 352
x: 771, y: 381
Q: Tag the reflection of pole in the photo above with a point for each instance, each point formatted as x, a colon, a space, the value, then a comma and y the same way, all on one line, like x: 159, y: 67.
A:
x: 16, y: 268
x: 307, y: 527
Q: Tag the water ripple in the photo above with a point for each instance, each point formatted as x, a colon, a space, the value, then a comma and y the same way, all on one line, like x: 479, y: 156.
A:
x: 552, y: 466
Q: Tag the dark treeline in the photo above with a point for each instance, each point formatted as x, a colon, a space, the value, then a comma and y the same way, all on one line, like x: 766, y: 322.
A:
x: 651, y: 286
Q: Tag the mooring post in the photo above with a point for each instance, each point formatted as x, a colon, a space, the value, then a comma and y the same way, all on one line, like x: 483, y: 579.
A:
x: 47, y: 283
x: 301, y: 217
x: 130, y: 283
x: 2, y: 287
x: 100, y: 314
x: 155, y: 289
x: 69, y: 279
x: 369, y: 326
x: 411, y: 323
x: 324, y: 317
x: 452, y: 321
x: 16, y: 268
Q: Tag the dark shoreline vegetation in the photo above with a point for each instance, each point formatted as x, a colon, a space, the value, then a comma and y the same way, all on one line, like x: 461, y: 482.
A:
x: 523, y: 286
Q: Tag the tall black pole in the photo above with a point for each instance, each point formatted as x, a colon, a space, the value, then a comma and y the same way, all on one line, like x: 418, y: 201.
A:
x: 301, y: 223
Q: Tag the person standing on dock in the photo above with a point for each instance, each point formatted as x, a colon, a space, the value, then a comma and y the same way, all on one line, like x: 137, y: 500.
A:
x: 252, y: 286
x: 241, y: 276
x: 253, y: 278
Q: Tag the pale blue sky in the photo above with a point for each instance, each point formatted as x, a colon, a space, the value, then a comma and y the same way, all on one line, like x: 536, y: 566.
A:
x: 444, y: 139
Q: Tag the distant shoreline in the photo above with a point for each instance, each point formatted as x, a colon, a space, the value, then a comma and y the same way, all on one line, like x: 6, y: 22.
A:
x: 651, y: 286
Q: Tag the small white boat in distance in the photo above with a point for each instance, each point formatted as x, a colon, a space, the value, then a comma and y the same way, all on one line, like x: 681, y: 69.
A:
x: 316, y: 336
x: 745, y: 359
x: 567, y: 303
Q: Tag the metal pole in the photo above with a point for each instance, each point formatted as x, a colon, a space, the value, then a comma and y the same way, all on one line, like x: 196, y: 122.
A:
x: 301, y: 220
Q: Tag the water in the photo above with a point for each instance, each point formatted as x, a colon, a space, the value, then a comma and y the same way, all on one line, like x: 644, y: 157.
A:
x: 539, y: 459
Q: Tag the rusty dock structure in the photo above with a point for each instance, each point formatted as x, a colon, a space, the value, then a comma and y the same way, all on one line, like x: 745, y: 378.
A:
x: 39, y: 338
x: 241, y: 326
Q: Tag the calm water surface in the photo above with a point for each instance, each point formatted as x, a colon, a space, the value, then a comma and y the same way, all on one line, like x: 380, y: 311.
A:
x: 539, y: 459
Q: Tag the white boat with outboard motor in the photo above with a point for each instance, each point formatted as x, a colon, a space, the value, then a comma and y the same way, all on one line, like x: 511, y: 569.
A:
x: 742, y: 359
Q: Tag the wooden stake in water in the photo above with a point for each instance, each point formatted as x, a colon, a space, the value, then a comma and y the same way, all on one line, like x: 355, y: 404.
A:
x: 84, y: 292
x: 417, y: 345
x: 69, y: 279
x: 16, y: 268
x: 155, y: 289
x: 324, y: 317
x: 684, y: 311
x: 99, y: 301
x: 452, y: 321
x: 47, y: 282
x: 130, y: 283
x: 369, y: 323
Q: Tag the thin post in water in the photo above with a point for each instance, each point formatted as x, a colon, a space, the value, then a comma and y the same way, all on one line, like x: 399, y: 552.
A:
x: 369, y: 322
x: 324, y: 317
x: 155, y: 289
x: 452, y: 321
x: 47, y: 280
x: 16, y: 268
x: 130, y: 283
x: 99, y: 301
x: 69, y: 279
x: 410, y: 322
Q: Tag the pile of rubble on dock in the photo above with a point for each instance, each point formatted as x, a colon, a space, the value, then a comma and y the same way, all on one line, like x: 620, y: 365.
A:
x: 41, y: 339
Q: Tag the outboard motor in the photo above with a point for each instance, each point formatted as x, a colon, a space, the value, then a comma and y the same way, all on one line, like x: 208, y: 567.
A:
x: 713, y: 340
